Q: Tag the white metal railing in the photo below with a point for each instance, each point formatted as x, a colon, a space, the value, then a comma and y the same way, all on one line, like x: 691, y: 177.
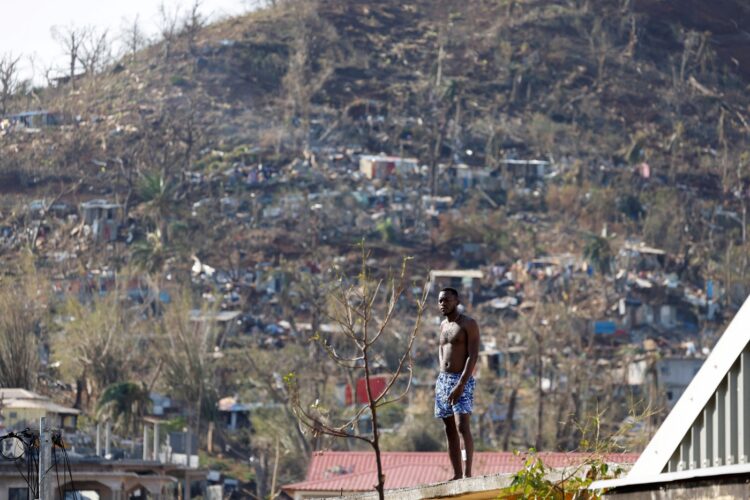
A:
x: 721, y: 434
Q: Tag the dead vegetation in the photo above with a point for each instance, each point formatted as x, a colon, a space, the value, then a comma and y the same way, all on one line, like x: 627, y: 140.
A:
x: 231, y: 150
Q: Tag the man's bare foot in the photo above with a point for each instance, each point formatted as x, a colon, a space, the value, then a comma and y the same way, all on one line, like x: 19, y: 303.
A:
x: 455, y: 477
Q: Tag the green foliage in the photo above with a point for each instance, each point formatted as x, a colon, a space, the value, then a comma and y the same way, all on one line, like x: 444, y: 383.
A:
x: 150, y: 254
x: 290, y: 378
x: 176, y: 424
x: 597, y: 250
x: 630, y: 205
x: 98, y: 342
x: 156, y: 191
x: 386, y: 230
x: 179, y: 81
x: 214, y: 463
x: 125, y: 403
x: 535, y: 480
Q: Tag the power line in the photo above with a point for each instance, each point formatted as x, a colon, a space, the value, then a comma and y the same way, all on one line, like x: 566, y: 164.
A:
x: 23, y: 450
x: 23, y: 446
x: 57, y: 439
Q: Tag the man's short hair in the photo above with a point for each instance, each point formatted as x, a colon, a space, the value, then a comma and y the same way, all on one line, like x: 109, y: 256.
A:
x: 450, y: 290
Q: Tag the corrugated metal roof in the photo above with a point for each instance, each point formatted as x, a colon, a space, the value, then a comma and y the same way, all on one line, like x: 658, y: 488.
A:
x: 355, y: 471
x: 40, y: 404
x: 13, y: 393
x: 14, y: 398
x: 400, y: 476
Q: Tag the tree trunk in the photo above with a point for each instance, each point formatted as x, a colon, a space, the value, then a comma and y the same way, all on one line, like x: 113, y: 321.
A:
x: 509, y: 415
x: 380, y: 487
x: 261, y: 475
x: 540, y: 403
x: 79, y: 394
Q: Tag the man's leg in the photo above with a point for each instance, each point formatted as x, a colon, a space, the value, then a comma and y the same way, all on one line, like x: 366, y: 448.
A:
x: 464, y: 428
x: 454, y: 446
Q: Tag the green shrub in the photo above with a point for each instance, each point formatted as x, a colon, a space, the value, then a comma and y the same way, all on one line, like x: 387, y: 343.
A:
x: 179, y: 81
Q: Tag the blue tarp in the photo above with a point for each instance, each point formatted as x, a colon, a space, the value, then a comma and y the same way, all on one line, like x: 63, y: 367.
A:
x: 604, y: 327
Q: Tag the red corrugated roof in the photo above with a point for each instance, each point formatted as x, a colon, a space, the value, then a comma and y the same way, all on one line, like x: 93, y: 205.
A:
x: 355, y: 471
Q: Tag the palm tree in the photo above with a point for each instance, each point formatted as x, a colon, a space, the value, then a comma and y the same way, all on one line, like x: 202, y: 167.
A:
x: 157, y: 194
x: 151, y: 254
x: 124, y: 403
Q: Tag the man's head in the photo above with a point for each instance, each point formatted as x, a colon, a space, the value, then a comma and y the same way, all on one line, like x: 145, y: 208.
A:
x: 448, y: 301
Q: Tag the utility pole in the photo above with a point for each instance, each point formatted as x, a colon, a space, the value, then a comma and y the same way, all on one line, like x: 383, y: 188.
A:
x: 188, y: 437
x: 156, y: 441
x: 145, y: 441
x: 98, y: 439
x: 45, y: 460
x: 107, y: 439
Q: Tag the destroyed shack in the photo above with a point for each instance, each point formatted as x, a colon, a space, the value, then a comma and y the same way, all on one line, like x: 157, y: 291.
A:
x: 382, y: 167
x: 233, y: 415
x: 466, y: 281
x: 644, y: 258
x: 226, y: 322
x: 463, y: 176
x: 34, y: 119
x: 103, y: 217
x: 526, y: 172
x: 675, y: 374
x: 435, y: 205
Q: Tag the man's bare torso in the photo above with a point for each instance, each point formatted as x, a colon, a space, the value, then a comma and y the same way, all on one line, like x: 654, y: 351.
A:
x: 454, y: 344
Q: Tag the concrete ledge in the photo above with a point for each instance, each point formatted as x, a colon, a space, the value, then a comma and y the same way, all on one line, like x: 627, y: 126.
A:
x: 483, y: 487
x: 475, y: 488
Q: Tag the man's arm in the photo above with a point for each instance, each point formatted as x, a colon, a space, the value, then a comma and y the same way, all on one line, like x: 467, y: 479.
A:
x: 472, y: 354
x: 440, y: 347
x: 472, y: 351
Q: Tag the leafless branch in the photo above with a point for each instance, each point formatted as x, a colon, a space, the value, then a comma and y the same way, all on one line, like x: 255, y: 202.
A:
x: 71, y: 38
x: 8, y: 79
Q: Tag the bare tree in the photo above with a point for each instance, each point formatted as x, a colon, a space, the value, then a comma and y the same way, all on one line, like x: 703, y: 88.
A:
x: 186, y: 353
x: 262, y: 374
x: 95, y: 51
x: 71, y: 38
x: 356, y: 315
x: 98, y: 343
x: 260, y: 4
x: 133, y: 37
x: 308, y: 67
x: 20, y: 318
x: 169, y: 20
x: 8, y: 79
x: 192, y: 24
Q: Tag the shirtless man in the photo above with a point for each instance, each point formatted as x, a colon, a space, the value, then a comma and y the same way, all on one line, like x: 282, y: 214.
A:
x: 454, y: 390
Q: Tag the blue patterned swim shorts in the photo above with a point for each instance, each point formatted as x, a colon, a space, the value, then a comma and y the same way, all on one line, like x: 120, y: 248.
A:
x: 445, y: 383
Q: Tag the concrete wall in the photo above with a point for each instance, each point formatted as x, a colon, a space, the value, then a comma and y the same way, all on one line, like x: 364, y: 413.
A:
x: 13, y: 416
x: 713, y: 489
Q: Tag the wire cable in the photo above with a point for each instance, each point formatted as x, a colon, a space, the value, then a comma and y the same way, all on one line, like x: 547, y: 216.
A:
x: 66, y: 467
x: 23, y: 449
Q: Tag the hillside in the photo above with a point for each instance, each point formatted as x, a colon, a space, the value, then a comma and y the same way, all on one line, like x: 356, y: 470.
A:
x: 230, y: 159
